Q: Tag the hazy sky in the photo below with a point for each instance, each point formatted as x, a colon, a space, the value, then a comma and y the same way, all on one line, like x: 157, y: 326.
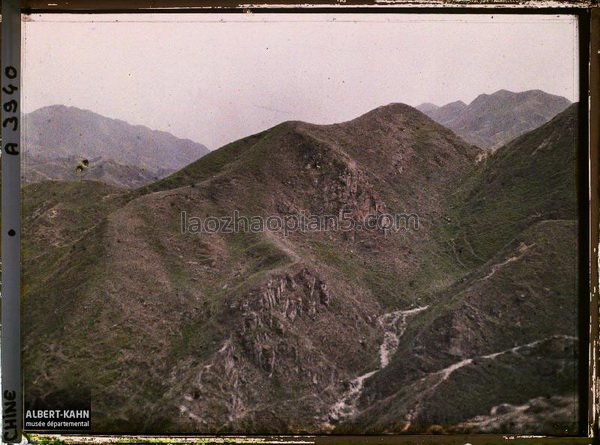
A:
x: 216, y: 78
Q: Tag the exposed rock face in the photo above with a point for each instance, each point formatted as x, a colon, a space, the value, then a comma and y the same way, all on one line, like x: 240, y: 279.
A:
x: 261, y: 356
x: 313, y: 331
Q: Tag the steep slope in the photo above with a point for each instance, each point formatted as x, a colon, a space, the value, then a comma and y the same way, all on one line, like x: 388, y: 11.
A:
x: 507, y: 334
x: 251, y: 320
x: 512, y: 226
x: 56, y: 134
x: 492, y: 120
x: 316, y: 330
x: 61, y: 258
x: 391, y: 160
x: 531, y: 179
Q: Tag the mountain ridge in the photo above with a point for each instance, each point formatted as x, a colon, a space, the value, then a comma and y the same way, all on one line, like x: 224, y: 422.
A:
x: 64, y: 135
x: 492, y: 120
x: 209, y: 332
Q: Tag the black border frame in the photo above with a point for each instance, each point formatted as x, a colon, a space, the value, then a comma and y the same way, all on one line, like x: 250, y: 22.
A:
x: 586, y: 176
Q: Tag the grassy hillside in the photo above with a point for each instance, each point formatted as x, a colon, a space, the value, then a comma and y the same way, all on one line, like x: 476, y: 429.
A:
x: 529, y: 180
x: 313, y: 331
x: 520, y: 297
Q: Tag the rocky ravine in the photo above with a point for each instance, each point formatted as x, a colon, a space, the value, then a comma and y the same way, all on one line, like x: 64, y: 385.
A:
x: 393, y: 325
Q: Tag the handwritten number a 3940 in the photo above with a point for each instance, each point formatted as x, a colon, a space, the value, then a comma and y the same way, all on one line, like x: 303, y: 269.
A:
x: 11, y: 105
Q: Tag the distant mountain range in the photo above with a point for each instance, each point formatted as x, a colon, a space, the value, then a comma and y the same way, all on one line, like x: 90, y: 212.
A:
x: 59, y: 137
x: 492, y: 120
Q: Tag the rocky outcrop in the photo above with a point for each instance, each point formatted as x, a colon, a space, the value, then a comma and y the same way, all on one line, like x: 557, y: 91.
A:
x: 280, y: 346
